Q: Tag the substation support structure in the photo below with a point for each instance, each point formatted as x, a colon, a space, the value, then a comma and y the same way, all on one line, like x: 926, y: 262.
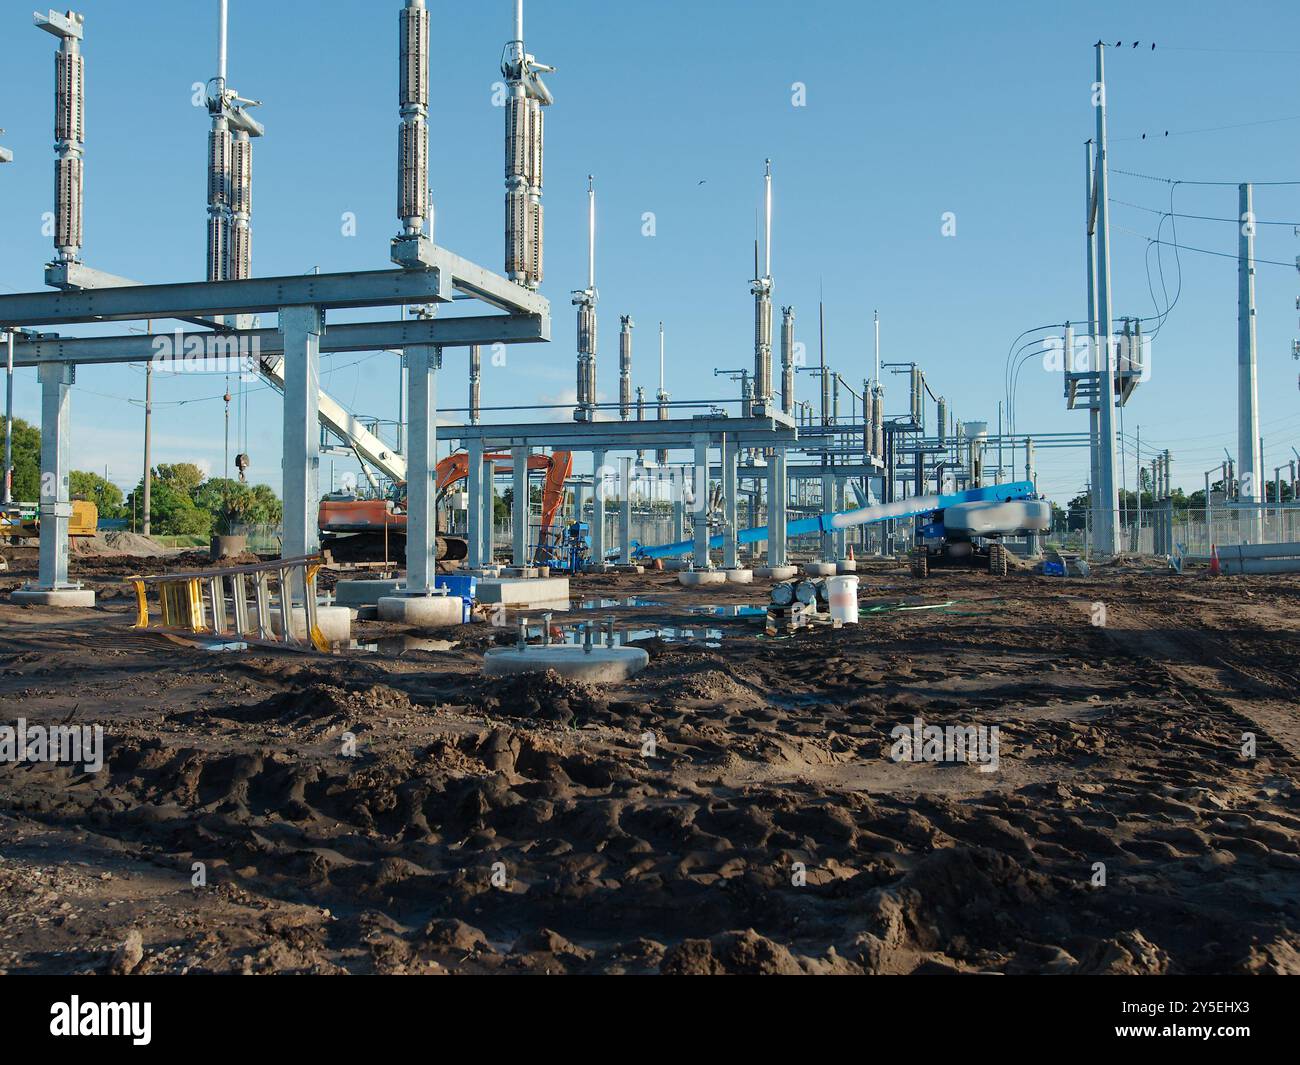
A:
x: 703, y: 436
x: 426, y: 275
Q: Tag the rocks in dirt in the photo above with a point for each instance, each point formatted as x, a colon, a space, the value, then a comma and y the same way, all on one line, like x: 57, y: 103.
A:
x: 323, y: 706
x: 129, y: 954
x: 736, y: 953
x: 450, y: 933
x: 546, y: 696
x: 1127, y: 954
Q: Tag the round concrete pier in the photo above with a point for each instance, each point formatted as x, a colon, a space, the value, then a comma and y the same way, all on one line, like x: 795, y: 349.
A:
x: 334, y: 622
x: 602, y: 665
x: 776, y: 573
x: 429, y: 611
x: 697, y: 577
x: 526, y: 572
x: 846, y: 565
x: 60, y: 598
x: 820, y: 569
x: 739, y: 576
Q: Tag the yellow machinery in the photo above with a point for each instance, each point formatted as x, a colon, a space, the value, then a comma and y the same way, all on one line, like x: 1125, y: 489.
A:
x: 22, y: 521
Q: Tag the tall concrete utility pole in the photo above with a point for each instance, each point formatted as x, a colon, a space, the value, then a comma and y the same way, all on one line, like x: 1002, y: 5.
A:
x: 148, y: 417
x: 9, y: 417
x: 1108, y: 533
x: 1248, y: 446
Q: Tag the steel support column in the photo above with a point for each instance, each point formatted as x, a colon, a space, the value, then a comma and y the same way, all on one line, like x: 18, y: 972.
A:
x: 730, y: 491
x: 625, y: 512
x: 828, y: 505
x: 522, y: 505
x: 598, y: 508
x: 489, y: 525
x: 700, y: 506
x: 55, y: 507
x: 474, y: 503
x: 421, y: 453
x: 776, y: 499
x: 301, y: 328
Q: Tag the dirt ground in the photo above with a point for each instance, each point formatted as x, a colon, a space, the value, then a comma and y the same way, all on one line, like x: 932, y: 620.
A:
x: 735, y: 808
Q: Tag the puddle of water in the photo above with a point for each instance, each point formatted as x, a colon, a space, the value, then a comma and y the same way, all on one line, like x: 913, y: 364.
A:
x: 572, y: 634
x: 237, y: 646
x: 607, y: 604
x: 395, y: 645
x: 730, y: 611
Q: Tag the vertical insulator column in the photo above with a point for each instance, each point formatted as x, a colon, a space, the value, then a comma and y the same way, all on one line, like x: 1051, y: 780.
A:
x: 787, y: 360
x: 762, y: 290
x: 525, y: 141
x: 241, y: 207
x: 878, y: 434
x: 943, y: 420
x: 69, y: 132
x: 518, y: 228
x: 219, y: 161
x: 413, y: 136
x: 586, y: 355
x: 536, y: 123
x: 625, y: 370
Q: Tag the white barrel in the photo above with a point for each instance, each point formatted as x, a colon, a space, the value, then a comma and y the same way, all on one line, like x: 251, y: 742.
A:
x: 842, y: 591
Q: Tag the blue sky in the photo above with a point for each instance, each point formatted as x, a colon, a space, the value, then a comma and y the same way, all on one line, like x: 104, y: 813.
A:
x: 912, y: 111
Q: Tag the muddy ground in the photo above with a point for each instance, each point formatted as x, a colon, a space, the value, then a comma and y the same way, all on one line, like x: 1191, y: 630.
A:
x: 735, y: 808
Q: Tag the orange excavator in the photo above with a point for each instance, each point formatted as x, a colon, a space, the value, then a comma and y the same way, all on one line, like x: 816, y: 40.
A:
x: 354, y: 529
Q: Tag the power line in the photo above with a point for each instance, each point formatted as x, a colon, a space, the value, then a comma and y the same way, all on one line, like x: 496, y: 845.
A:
x: 1187, y: 181
x: 1201, y: 217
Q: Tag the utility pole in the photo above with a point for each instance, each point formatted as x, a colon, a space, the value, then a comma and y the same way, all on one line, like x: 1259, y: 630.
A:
x: 1108, y: 534
x: 9, y: 417
x: 148, y: 462
x: 1137, y: 444
x: 1248, y: 447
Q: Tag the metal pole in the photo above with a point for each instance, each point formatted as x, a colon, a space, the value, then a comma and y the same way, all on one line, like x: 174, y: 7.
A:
x: 9, y: 418
x: 1108, y: 534
x: 148, y: 462
x: 1248, y: 448
x: 1137, y: 443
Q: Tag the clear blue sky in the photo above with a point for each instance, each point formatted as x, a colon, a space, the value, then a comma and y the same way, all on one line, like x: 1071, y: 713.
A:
x: 912, y: 111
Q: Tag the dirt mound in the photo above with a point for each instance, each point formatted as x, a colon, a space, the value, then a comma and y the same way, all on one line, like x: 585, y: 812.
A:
x: 115, y: 544
x: 321, y: 706
x: 547, y: 696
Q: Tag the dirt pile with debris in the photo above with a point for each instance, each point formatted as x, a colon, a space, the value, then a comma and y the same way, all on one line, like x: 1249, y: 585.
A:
x: 740, y: 807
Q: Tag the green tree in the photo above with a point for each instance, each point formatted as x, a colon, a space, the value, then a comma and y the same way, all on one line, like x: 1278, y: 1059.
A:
x: 27, y: 461
x: 185, y: 477
x: 171, y: 511
x: 106, y: 496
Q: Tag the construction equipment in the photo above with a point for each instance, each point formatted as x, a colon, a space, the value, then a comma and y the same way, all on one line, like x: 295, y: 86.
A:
x: 22, y: 521
x: 356, y: 529
x: 970, y: 533
x: 565, y: 550
x: 834, y: 521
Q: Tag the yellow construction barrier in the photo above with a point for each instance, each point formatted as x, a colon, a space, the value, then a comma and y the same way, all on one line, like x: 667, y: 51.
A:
x: 238, y: 602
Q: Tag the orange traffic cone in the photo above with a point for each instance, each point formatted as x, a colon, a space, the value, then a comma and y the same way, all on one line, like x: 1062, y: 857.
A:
x: 1214, y: 561
x: 850, y: 552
